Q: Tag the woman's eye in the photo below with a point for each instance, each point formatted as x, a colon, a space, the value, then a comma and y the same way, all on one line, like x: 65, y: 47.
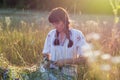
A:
x: 57, y: 22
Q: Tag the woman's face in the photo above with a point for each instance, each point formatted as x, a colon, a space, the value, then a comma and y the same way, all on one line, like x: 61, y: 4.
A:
x: 59, y: 26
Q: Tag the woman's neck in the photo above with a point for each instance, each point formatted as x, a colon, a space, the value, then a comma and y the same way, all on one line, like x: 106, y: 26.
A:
x: 62, y: 34
x: 62, y: 38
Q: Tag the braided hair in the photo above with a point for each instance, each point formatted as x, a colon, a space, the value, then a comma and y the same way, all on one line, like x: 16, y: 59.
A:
x: 60, y: 14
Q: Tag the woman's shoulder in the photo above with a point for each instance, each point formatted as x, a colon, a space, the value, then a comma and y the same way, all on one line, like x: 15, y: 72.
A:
x: 51, y: 32
x: 76, y: 31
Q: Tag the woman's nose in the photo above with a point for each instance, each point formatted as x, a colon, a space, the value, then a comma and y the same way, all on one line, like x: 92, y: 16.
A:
x: 56, y: 26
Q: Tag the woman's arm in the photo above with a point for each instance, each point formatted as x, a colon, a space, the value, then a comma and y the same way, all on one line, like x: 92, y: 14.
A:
x: 79, y: 60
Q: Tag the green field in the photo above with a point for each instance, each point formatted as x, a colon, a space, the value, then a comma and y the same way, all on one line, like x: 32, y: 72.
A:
x: 22, y: 36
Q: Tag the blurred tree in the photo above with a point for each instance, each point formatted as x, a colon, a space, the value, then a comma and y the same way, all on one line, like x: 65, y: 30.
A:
x: 75, y: 6
x: 4, y: 3
x: 97, y: 6
x: 11, y: 3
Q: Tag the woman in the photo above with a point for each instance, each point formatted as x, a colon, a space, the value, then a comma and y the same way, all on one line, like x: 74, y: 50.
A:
x: 64, y: 45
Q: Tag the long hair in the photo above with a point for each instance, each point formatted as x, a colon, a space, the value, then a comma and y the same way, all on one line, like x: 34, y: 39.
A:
x: 60, y: 14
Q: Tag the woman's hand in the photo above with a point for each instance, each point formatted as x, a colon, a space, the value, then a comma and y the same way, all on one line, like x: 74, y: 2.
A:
x: 63, y: 62
x: 47, y: 56
x: 60, y: 63
x: 80, y: 60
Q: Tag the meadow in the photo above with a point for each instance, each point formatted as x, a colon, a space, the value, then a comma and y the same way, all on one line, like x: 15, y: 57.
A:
x: 22, y: 36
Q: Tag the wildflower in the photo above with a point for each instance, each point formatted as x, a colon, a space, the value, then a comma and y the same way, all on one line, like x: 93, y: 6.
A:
x: 93, y: 36
x: 106, y: 56
x: 105, y: 67
x: 92, y: 23
x: 23, y: 23
x: 7, y: 21
x: 116, y: 59
x: 1, y: 27
x: 97, y: 53
x: 105, y: 22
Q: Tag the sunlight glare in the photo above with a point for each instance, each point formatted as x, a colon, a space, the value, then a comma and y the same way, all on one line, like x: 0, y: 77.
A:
x: 93, y: 36
x: 105, y: 67
x: 116, y: 59
x: 106, y: 56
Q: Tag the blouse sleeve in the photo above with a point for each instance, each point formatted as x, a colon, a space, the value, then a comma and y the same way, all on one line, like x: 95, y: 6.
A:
x: 80, y: 43
x: 47, y: 45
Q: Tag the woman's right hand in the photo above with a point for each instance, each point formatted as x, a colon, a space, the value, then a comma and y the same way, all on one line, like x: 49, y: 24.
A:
x: 60, y: 63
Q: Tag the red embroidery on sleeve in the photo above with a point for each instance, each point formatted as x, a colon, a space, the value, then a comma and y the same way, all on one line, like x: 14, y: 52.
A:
x: 78, y: 38
x: 48, y: 35
x: 77, y: 48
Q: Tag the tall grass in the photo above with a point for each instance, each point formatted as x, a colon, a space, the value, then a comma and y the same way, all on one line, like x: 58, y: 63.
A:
x: 115, y: 34
x: 21, y: 44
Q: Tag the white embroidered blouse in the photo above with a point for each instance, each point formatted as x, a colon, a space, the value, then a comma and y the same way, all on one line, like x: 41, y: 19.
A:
x: 62, y: 51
